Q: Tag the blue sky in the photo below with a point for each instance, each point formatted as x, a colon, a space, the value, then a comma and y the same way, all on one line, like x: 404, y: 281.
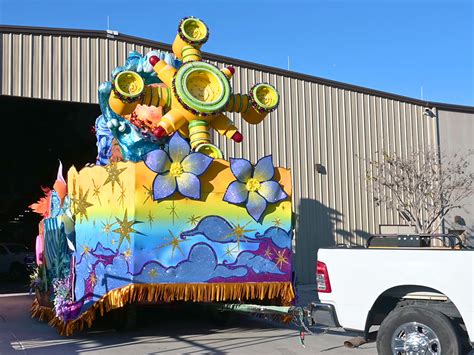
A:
x: 399, y: 46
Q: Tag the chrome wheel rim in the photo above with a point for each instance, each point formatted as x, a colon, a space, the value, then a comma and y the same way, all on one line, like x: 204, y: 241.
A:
x: 415, y: 339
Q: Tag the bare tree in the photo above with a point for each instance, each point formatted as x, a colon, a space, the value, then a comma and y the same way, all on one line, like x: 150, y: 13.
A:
x: 419, y: 188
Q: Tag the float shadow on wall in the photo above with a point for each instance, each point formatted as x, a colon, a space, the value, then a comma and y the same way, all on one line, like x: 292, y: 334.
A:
x: 319, y: 226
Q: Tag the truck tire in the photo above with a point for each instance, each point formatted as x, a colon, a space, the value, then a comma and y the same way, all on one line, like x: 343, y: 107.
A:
x: 419, y: 330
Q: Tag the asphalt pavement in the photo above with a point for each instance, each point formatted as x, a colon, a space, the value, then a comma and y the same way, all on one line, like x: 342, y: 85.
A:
x: 172, y: 330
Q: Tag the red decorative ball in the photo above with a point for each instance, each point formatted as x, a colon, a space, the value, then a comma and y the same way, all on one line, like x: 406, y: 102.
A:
x: 231, y: 69
x: 153, y: 60
x: 159, y: 132
x: 237, y: 137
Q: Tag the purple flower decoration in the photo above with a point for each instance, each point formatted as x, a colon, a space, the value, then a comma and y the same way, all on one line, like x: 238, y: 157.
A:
x: 177, y: 169
x: 254, y: 186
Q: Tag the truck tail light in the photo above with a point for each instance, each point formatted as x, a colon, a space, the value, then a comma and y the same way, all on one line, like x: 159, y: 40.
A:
x: 322, y: 278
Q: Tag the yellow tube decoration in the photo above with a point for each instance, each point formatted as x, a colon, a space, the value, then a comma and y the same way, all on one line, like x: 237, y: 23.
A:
x: 228, y: 72
x: 189, y: 54
x: 263, y: 99
x: 210, y: 149
x: 197, y: 91
x: 224, y: 126
x: 192, y: 34
x: 201, y: 139
x: 238, y: 103
x: 199, y: 133
x: 172, y: 121
x: 127, y: 90
x: 164, y: 72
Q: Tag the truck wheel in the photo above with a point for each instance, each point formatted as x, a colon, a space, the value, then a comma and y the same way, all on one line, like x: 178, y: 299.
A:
x: 417, y: 330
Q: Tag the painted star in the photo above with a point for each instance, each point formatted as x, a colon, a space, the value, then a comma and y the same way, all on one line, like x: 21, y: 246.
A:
x: 281, y: 258
x: 96, y: 191
x: 277, y: 222
x: 107, y: 228
x: 128, y: 253
x: 193, y: 220
x: 153, y: 273
x: 150, y: 218
x: 175, y: 240
x: 125, y: 228
x: 82, y: 205
x: 148, y: 193
x: 114, y: 173
x: 93, y: 280
x: 229, y: 251
x: 121, y: 198
x: 172, y: 210
x: 268, y: 253
x: 239, y: 232
x: 85, y: 249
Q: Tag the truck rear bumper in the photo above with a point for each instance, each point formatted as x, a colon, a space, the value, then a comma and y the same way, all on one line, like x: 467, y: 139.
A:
x: 324, y: 314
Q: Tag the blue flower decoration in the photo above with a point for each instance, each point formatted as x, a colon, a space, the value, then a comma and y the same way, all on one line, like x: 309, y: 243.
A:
x: 177, y: 169
x: 254, y: 186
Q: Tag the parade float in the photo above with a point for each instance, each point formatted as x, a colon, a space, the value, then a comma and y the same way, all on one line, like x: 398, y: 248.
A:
x: 163, y: 216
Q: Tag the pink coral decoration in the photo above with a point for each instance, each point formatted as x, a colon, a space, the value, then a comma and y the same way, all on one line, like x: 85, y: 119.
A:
x: 39, y: 249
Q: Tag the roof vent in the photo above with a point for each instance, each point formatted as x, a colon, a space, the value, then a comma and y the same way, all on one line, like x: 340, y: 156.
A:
x: 111, y: 33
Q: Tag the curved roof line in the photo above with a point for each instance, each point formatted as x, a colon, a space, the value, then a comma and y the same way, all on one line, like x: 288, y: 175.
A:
x: 233, y: 61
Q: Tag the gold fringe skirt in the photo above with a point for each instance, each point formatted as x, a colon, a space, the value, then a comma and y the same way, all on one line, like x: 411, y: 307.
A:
x: 280, y: 293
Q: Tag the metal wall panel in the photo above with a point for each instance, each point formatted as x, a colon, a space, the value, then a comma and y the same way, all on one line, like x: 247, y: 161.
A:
x: 316, y: 123
x: 455, y: 134
x: 59, y: 67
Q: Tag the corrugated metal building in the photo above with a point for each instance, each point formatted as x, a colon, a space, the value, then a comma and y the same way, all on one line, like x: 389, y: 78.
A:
x: 325, y: 131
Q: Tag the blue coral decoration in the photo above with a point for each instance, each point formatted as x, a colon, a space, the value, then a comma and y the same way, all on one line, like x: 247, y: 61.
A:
x: 177, y: 170
x: 254, y: 187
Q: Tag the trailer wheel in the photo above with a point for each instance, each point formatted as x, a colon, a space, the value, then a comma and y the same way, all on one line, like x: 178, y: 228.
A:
x: 417, y: 330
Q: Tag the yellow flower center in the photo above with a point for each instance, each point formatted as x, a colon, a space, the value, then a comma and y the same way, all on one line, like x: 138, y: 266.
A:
x: 176, y: 169
x: 253, y: 185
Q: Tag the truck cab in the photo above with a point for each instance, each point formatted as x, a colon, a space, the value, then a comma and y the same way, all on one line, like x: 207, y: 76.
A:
x: 421, y: 299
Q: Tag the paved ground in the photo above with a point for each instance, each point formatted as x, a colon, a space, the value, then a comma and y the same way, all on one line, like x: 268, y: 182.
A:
x: 174, y: 331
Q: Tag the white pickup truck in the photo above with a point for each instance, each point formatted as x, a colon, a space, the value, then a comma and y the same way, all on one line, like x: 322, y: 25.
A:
x: 422, y: 298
